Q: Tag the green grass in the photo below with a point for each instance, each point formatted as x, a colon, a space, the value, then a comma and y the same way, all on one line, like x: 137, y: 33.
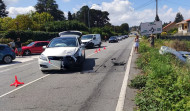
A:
x: 167, y: 83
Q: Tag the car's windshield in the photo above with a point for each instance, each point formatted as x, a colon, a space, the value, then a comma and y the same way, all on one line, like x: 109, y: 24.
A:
x: 63, y: 42
x: 112, y: 37
x: 32, y: 43
x: 86, y: 37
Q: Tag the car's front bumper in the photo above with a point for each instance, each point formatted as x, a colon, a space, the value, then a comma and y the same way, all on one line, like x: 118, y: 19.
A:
x: 58, y: 63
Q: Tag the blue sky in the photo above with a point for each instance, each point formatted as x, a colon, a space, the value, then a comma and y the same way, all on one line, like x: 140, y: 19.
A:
x: 121, y: 11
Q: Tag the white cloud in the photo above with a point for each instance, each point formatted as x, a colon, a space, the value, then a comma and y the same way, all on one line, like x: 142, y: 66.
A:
x: 66, y: 0
x: 14, y: 11
x: 8, y: 2
x: 121, y: 11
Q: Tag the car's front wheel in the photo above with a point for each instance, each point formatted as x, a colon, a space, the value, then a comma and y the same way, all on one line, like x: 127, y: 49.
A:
x: 27, y: 52
x: 7, y: 59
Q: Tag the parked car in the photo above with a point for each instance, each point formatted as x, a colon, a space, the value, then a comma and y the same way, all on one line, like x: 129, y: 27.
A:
x: 113, y: 39
x: 91, y: 40
x: 35, y: 47
x: 65, y: 52
x: 7, y: 54
x: 119, y: 38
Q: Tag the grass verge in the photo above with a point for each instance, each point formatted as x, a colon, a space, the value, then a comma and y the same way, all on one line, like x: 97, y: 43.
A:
x: 165, y: 84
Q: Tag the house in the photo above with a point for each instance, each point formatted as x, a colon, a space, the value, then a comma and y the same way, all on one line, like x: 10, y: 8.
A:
x: 184, y: 27
x: 169, y: 27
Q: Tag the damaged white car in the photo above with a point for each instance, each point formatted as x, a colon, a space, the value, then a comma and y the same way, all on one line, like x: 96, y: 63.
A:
x: 65, y: 52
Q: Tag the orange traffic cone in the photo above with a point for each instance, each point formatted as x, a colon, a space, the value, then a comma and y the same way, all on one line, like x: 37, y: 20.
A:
x: 104, y: 48
x: 99, y: 49
x: 96, y: 51
x: 16, y: 83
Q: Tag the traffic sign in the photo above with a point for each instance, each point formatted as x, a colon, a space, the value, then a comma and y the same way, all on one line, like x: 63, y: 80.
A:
x: 151, y: 28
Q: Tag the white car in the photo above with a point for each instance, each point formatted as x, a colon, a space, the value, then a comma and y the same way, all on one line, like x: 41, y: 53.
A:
x: 91, y: 40
x: 65, y: 52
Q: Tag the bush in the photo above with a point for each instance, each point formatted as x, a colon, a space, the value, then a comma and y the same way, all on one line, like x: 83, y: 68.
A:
x: 167, y: 84
x: 27, y: 35
x: 139, y: 82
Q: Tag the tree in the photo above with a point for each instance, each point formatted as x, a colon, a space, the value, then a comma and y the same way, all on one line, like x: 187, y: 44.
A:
x: 3, y: 12
x: 6, y: 23
x: 124, y: 27
x: 97, y: 18
x: 70, y: 16
x: 51, y: 7
x: 24, y: 22
x: 179, y: 17
x: 40, y: 19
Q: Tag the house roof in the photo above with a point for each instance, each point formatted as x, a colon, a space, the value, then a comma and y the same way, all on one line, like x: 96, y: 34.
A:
x: 182, y: 22
x: 169, y: 25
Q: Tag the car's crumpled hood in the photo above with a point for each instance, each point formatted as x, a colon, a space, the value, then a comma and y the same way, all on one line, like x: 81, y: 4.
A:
x: 60, y: 51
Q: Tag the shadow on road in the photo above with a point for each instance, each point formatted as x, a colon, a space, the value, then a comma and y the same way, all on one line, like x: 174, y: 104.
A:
x: 87, y: 67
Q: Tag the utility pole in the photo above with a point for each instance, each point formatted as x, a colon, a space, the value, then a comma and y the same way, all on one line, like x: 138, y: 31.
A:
x: 156, y: 7
x: 157, y: 17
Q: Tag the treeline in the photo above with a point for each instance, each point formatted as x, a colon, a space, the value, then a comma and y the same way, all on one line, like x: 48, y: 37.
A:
x: 49, y: 19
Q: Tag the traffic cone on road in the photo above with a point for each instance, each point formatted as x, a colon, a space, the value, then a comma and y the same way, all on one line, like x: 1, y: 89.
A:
x: 99, y: 49
x: 104, y: 48
x: 16, y: 83
x: 96, y: 51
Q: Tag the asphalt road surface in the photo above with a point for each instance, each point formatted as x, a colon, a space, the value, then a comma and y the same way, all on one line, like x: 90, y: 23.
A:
x: 96, y: 88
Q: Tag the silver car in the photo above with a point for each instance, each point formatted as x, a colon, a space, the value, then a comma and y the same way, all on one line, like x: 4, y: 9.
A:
x: 65, y: 52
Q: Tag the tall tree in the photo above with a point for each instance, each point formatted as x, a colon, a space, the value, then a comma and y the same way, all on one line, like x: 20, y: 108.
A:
x: 51, y: 7
x: 3, y: 12
x: 70, y: 16
x: 92, y: 17
x: 179, y: 17
x: 124, y: 27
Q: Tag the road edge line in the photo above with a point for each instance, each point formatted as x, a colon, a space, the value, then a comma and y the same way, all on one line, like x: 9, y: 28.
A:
x: 121, y: 100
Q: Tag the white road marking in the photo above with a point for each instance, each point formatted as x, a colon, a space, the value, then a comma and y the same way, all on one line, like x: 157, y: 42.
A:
x: 24, y: 86
x: 16, y: 67
x: 121, y: 100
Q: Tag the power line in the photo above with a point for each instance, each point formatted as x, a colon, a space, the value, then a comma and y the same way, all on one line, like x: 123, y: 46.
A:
x: 175, y: 3
x: 145, y: 4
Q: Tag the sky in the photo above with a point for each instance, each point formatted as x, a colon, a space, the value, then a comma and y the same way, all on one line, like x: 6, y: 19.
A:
x: 132, y: 12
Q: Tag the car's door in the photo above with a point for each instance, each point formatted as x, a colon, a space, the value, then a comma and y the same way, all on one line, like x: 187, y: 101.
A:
x: 2, y: 52
x: 36, y: 47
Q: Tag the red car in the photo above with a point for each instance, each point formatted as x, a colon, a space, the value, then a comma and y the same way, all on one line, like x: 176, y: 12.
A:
x: 35, y: 47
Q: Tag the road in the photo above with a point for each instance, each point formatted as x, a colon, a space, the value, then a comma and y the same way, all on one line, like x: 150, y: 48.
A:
x: 96, y: 88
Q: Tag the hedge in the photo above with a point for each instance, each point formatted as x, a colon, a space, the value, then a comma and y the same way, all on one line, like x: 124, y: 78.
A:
x: 26, y: 35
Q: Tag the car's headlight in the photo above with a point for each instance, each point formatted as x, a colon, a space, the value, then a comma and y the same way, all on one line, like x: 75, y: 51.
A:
x: 43, y: 57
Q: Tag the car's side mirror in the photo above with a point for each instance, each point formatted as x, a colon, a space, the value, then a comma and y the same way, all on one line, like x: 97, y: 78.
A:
x: 82, y: 45
x: 44, y: 47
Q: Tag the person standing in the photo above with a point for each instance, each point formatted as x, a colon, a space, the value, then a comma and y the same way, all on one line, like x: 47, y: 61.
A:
x: 105, y: 38
x: 19, y: 46
x: 12, y: 44
x: 136, y: 44
x: 152, y: 40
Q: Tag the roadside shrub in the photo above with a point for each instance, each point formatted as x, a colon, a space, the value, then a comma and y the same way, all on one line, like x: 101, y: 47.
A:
x: 167, y: 84
x: 139, y: 82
